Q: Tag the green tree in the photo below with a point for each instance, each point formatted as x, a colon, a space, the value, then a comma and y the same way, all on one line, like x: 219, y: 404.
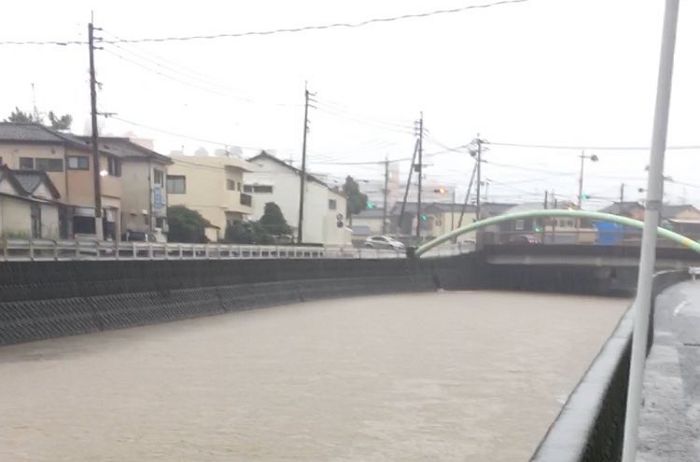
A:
x: 20, y: 117
x: 356, y: 200
x: 60, y: 123
x: 248, y: 232
x: 273, y: 220
x: 186, y: 225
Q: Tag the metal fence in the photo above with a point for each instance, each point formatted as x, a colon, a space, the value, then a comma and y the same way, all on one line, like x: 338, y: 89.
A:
x: 49, y: 250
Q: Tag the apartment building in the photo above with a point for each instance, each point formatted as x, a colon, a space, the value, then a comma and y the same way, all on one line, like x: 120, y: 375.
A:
x: 213, y: 186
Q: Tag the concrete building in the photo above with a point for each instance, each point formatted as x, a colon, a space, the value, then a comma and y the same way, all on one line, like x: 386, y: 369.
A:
x: 213, y: 186
x: 144, y: 199
x: 29, y: 207
x: 681, y: 218
x: 67, y: 161
x: 272, y: 180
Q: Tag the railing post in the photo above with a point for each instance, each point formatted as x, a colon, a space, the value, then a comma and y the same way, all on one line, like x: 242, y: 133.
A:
x: 55, y: 250
x: 179, y: 249
x: 77, y: 250
x: 133, y: 250
x: 150, y: 251
x: 31, y: 249
x: 116, y: 250
x: 206, y: 251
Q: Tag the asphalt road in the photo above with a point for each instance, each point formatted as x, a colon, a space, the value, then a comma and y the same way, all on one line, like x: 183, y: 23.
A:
x: 452, y: 376
x: 670, y: 417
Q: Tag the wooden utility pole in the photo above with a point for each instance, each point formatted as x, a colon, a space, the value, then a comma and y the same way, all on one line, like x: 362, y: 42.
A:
x: 302, y: 176
x: 386, y: 192
x: 96, y: 171
x: 420, y: 176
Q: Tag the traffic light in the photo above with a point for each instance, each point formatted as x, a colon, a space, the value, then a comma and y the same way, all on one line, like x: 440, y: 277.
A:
x: 423, y: 217
x: 370, y: 205
x: 339, y: 220
x: 585, y: 196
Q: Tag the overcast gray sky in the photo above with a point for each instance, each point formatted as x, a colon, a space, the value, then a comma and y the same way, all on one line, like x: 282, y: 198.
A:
x: 559, y: 72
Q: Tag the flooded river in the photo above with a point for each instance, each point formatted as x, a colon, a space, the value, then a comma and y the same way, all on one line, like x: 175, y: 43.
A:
x: 453, y: 376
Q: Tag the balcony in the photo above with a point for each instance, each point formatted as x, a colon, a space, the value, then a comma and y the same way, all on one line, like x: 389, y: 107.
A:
x: 246, y: 199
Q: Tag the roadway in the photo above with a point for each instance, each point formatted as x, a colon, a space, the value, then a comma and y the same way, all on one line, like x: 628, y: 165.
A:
x: 444, y: 376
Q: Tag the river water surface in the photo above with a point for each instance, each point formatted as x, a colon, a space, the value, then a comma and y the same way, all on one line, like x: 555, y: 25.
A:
x: 454, y: 376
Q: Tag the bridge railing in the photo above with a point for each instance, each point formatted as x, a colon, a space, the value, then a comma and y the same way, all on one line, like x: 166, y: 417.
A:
x: 50, y: 250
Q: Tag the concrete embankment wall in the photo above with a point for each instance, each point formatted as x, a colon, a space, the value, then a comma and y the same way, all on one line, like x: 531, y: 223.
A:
x: 591, y: 425
x: 49, y: 299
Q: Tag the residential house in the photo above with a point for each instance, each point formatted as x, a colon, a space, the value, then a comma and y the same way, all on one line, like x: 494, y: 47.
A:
x: 368, y: 223
x: 681, y: 218
x: 29, y: 206
x: 436, y: 218
x: 213, y: 186
x: 67, y: 161
x: 272, y: 180
x: 144, y: 198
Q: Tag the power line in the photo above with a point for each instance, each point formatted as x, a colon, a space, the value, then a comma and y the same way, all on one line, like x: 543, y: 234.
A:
x: 339, y: 25
x: 43, y: 42
x: 588, y: 148
x: 179, y: 135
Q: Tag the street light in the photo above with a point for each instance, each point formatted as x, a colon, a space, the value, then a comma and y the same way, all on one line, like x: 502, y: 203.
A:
x: 593, y: 158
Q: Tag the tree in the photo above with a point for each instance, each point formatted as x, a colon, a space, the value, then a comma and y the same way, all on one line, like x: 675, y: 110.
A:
x: 20, y: 117
x: 248, y: 232
x: 186, y: 225
x: 60, y: 123
x: 356, y: 200
x: 273, y: 220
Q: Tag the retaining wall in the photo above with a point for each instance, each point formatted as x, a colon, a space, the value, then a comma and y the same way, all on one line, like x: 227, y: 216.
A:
x: 590, y: 426
x: 48, y: 299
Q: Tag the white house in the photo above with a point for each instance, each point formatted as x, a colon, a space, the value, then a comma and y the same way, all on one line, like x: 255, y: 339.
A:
x: 272, y: 180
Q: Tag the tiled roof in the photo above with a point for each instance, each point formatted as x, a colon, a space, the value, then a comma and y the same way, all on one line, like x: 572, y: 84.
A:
x: 36, y: 133
x: 265, y: 155
x: 126, y: 149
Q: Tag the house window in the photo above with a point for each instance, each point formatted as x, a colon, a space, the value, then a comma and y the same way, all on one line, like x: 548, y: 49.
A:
x: 176, y: 184
x: 48, y: 165
x: 26, y: 163
x: 158, y: 177
x: 114, y: 166
x: 519, y: 225
x: 247, y: 188
x: 84, y: 225
x: 261, y: 188
x: 332, y: 204
x: 230, y: 185
x: 78, y: 163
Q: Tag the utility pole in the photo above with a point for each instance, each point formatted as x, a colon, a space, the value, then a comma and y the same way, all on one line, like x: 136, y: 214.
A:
x: 96, y: 172
x: 466, y: 196
x: 408, y: 185
x: 544, y: 220
x: 302, y: 179
x: 420, y: 175
x: 478, y: 177
x: 386, y: 192
x: 452, y: 207
x: 622, y: 192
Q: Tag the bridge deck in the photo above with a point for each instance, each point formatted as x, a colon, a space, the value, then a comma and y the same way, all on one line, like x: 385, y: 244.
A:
x: 447, y: 376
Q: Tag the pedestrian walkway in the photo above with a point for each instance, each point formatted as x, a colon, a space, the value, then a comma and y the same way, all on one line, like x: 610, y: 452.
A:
x: 670, y: 418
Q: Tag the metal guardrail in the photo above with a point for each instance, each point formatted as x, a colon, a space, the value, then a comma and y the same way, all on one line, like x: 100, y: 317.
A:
x: 49, y: 250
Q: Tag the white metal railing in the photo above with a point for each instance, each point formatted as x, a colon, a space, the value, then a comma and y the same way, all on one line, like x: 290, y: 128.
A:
x: 47, y: 250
